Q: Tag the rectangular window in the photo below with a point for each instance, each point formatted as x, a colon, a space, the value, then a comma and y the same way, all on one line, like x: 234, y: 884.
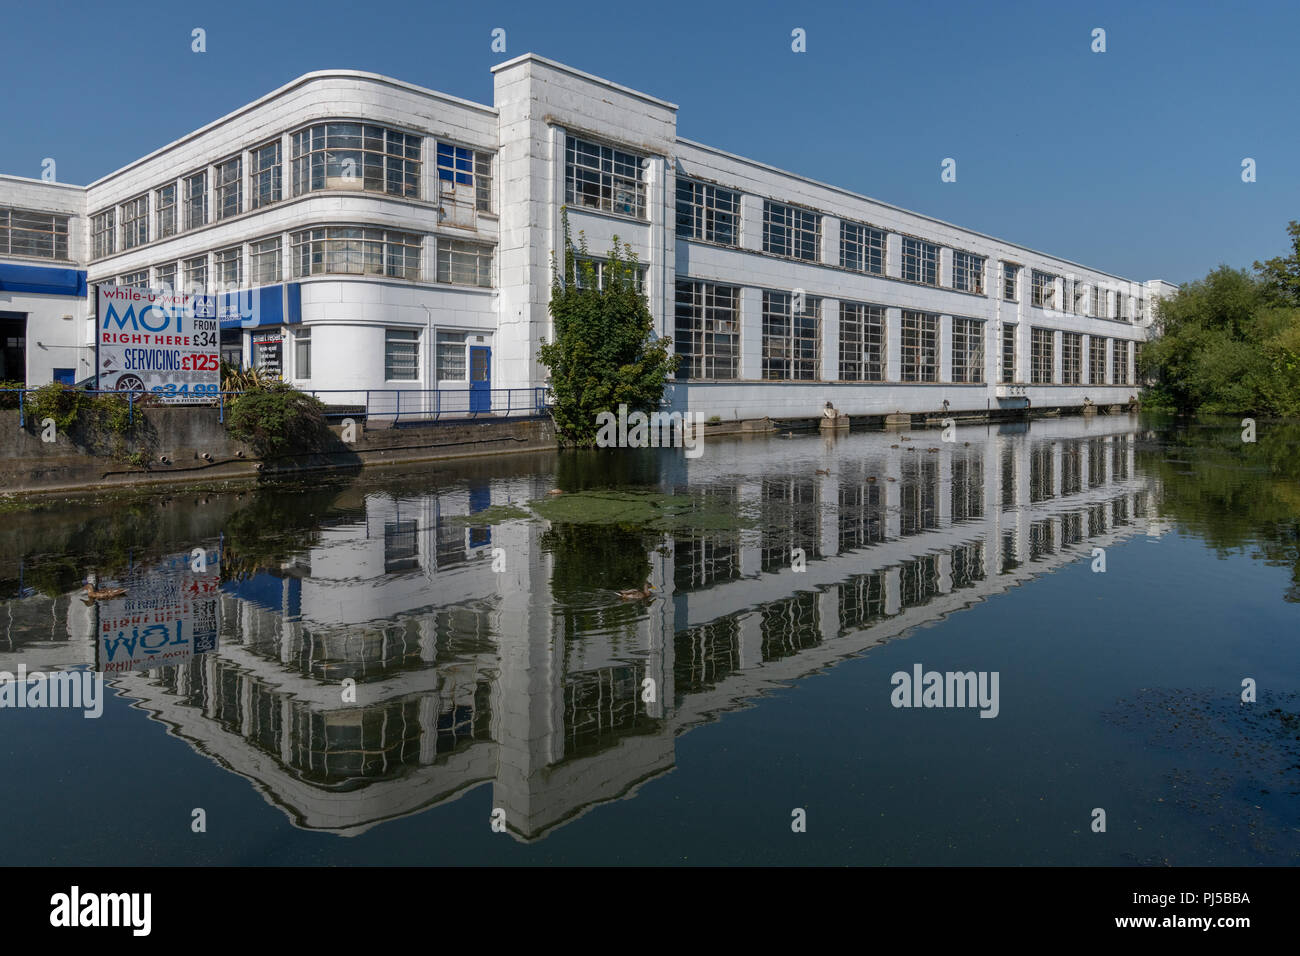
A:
x: 708, y: 330
x: 165, y: 277
x: 135, y: 222
x: 302, y: 353
x: 228, y: 183
x: 196, y: 200
x: 401, y: 355
x: 452, y: 366
x: 1010, y: 282
x: 1043, y: 290
x: 862, y: 342
x: 464, y: 263
x: 968, y: 272
x: 165, y: 210
x: 135, y: 280
x: 919, y: 347
x: 103, y: 233
x: 265, y: 173
x: 1100, y: 307
x: 596, y: 272
x: 1040, y: 356
x: 40, y: 235
x: 483, y: 181
x: 196, y: 275
x: 227, y: 265
x: 356, y: 156
x: 1071, y: 357
x: 707, y: 212
x: 920, y: 261
x: 967, y: 350
x: 791, y: 231
x: 1008, y: 353
x: 264, y: 263
x: 791, y: 337
x: 862, y: 248
x: 1096, y: 360
x: 1119, y: 363
x: 353, y: 250
x: 604, y: 178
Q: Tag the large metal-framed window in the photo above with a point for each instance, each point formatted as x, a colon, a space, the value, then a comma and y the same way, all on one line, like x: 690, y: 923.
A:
x: 464, y: 263
x: 265, y: 175
x: 604, y: 178
x: 356, y: 156
x: 227, y: 268
x: 707, y: 330
x: 1041, y: 359
x: 164, y: 276
x: 1096, y: 360
x: 103, y: 233
x: 967, y: 350
x: 1100, y: 305
x: 40, y: 235
x: 1071, y: 357
x: 600, y: 273
x: 1010, y: 282
x: 707, y: 212
x: 1120, y: 363
x: 164, y: 202
x: 791, y: 231
x: 862, y: 248
x: 264, y: 263
x: 356, y: 250
x: 1043, y: 289
x: 134, y: 280
x: 1009, y: 353
x: 401, y: 355
x: 920, y: 261
x: 463, y: 166
x: 968, y: 272
x: 196, y: 200
x: 196, y: 275
x: 792, y: 339
x: 918, y: 347
x: 134, y: 220
x: 228, y: 184
x: 862, y: 342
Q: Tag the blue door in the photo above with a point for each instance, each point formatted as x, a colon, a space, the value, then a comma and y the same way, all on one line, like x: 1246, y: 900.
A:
x: 480, y: 378
x: 65, y: 376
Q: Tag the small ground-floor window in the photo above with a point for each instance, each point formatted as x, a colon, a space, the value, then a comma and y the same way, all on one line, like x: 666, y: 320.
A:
x: 451, y: 356
x: 401, y: 355
x: 302, y: 353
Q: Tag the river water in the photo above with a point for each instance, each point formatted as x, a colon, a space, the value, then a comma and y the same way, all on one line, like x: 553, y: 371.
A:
x: 437, y: 665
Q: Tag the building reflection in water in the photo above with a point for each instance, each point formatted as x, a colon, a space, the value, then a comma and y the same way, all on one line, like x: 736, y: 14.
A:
x: 531, y: 680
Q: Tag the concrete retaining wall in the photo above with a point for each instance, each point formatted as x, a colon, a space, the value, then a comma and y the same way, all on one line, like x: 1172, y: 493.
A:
x: 182, y: 436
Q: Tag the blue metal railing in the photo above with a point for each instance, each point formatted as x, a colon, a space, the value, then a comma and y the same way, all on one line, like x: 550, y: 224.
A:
x: 379, y: 406
x: 432, y: 404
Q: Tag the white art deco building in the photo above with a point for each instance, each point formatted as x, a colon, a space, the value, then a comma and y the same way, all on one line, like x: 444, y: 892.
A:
x: 389, y: 237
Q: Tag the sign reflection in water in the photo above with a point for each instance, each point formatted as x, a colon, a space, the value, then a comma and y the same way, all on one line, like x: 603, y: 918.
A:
x: 532, y: 680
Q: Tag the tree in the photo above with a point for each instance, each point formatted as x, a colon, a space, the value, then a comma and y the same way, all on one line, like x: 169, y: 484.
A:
x: 1281, y: 274
x: 605, y: 352
x: 1230, y: 343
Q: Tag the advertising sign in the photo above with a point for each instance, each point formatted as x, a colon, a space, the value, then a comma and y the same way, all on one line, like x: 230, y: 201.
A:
x: 168, y: 614
x: 268, y: 352
x: 167, y: 343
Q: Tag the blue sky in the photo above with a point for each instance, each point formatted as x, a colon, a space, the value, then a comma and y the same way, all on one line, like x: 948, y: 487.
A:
x: 1128, y: 160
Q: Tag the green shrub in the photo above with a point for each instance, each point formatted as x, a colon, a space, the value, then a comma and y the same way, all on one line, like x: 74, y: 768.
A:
x: 9, y: 399
x: 277, y: 419
x: 73, y: 409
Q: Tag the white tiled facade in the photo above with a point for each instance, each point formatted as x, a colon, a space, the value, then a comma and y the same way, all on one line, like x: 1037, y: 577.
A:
x: 500, y: 211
